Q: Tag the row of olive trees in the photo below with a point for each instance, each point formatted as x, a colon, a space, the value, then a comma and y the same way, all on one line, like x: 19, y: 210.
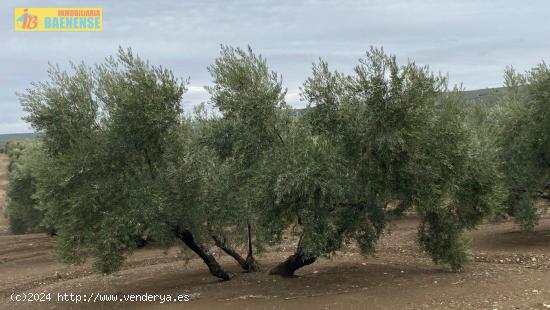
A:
x: 120, y: 161
x: 517, y: 124
x: 22, y: 208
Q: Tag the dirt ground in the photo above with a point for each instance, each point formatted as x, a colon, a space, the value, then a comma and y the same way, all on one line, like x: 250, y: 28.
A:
x: 509, y: 270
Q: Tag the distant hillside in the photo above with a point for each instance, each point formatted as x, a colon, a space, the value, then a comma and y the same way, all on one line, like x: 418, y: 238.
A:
x: 15, y: 136
x: 488, y: 94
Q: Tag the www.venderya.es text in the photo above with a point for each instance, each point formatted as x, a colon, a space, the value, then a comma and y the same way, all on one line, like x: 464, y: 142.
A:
x: 99, y: 297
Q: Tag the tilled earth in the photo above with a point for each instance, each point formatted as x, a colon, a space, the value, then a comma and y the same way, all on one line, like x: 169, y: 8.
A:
x: 509, y: 270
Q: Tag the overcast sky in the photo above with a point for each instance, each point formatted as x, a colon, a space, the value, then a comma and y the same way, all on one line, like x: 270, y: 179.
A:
x: 472, y: 41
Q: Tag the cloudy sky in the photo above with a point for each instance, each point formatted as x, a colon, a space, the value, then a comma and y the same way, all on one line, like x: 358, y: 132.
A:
x: 472, y: 41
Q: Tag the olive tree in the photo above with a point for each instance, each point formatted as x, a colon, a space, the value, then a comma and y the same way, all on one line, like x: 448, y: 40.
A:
x: 387, y: 133
x: 119, y: 161
x: 250, y: 98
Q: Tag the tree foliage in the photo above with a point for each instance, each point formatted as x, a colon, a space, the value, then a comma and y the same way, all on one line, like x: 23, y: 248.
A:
x: 403, y: 139
x: 110, y: 135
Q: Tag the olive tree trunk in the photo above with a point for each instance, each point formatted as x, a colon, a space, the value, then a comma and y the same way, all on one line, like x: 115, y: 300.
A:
x: 249, y: 264
x: 293, y: 263
x: 215, y: 269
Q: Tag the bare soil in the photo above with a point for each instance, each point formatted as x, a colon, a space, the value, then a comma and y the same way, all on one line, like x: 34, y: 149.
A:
x: 509, y: 270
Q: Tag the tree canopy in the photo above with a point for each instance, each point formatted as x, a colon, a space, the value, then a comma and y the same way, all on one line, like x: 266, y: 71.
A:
x: 118, y: 161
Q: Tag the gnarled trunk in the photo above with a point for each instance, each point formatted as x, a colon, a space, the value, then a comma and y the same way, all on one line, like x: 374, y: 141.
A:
x: 293, y: 263
x: 140, y: 241
x: 230, y: 251
x: 249, y: 264
x: 215, y: 269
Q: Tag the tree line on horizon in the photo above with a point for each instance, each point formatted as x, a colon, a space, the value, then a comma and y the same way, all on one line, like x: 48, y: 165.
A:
x: 117, y: 161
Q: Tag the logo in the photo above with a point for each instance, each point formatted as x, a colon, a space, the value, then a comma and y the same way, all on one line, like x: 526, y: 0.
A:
x: 27, y: 21
x: 58, y: 19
